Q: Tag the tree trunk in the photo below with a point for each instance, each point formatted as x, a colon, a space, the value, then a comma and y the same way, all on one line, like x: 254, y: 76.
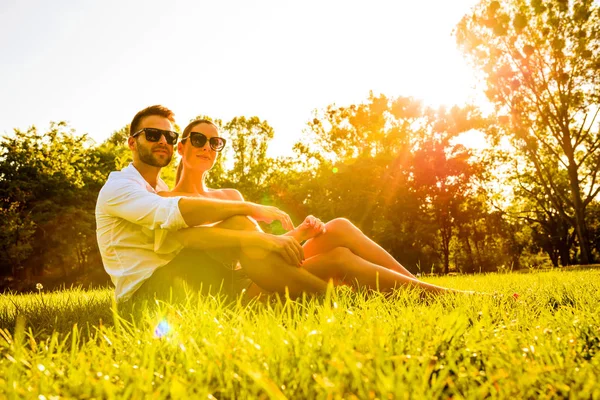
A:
x: 580, y: 224
x: 553, y: 254
x: 446, y: 232
x: 469, y: 254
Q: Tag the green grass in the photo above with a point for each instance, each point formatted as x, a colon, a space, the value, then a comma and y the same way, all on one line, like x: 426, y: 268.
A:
x: 343, y: 345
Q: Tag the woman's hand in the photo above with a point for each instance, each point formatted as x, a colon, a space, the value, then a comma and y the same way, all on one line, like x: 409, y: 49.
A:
x: 308, y: 229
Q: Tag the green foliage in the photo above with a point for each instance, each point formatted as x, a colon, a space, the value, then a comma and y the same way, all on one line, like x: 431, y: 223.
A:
x: 249, y: 138
x: 16, y: 232
x: 392, y: 166
x: 343, y: 345
x: 540, y: 62
x: 48, y: 188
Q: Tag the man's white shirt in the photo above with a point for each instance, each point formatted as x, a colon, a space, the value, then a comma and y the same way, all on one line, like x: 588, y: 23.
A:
x: 132, y: 225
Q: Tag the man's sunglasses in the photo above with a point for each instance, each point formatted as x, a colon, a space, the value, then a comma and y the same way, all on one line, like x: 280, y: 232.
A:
x: 199, y: 140
x: 153, y: 135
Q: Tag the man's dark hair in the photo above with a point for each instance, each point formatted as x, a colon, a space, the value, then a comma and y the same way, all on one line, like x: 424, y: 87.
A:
x: 158, y: 110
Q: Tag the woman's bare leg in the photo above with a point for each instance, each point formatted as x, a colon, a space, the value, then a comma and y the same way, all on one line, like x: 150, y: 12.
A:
x: 340, y: 232
x: 341, y: 264
x: 272, y: 274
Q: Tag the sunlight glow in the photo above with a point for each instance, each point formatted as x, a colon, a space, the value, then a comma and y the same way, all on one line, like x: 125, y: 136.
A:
x: 472, y: 140
x: 276, y: 60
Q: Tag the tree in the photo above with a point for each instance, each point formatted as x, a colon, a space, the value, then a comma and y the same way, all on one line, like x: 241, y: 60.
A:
x: 540, y: 61
x: 364, y: 150
x: 445, y: 173
x: 391, y: 167
x: 594, y: 218
x: 249, y: 139
x: 16, y: 231
x: 48, y: 190
x: 551, y: 231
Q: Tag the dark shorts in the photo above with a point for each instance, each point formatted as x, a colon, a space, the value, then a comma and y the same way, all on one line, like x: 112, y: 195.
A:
x: 194, y: 271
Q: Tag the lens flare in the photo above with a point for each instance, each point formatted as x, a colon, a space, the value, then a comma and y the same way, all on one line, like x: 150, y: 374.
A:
x: 161, y: 329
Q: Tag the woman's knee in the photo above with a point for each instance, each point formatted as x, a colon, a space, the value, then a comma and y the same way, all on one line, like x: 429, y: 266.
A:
x: 340, y: 224
x: 238, y: 222
x: 340, y: 256
x: 335, y: 263
x: 276, y: 277
x: 341, y: 227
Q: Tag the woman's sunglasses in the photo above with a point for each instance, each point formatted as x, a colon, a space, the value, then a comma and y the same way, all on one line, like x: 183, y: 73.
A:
x: 199, y: 140
x: 153, y: 135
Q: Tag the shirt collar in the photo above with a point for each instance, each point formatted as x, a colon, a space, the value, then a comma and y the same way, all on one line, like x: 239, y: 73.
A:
x: 161, y: 186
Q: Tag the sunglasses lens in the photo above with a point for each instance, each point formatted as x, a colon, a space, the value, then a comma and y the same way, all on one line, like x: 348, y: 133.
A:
x: 152, y: 135
x: 217, y: 143
x: 198, y: 139
x: 171, y: 137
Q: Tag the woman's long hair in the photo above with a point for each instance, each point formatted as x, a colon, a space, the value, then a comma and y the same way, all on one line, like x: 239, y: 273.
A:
x: 185, y: 134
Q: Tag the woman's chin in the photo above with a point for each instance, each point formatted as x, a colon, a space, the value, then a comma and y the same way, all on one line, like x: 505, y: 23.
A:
x: 198, y: 168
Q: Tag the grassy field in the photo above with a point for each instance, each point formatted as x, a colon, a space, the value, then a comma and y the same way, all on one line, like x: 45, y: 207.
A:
x: 344, y: 345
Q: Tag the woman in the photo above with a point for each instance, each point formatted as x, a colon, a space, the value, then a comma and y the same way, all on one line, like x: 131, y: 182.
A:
x: 336, y: 250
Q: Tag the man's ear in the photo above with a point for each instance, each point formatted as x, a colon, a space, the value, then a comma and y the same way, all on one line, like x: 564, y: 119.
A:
x: 131, y: 143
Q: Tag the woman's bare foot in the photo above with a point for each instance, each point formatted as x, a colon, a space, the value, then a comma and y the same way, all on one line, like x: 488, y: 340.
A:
x: 308, y: 229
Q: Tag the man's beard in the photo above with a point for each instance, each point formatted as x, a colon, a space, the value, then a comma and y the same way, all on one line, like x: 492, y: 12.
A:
x: 147, y: 157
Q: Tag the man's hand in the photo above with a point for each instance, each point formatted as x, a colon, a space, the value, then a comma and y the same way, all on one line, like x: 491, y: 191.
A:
x: 286, y: 246
x: 269, y: 214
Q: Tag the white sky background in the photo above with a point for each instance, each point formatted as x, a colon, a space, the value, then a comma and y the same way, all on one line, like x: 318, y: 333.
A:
x: 96, y: 63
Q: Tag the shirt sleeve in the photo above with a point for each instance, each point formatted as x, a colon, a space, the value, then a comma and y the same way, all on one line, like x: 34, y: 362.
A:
x: 125, y: 198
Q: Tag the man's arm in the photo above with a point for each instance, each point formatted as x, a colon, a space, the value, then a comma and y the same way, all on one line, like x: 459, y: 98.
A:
x: 201, y: 210
x: 207, y: 238
x: 126, y: 199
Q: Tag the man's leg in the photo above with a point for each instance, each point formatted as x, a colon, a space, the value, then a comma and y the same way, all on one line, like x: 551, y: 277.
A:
x: 190, y: 271
x: 340, y: 232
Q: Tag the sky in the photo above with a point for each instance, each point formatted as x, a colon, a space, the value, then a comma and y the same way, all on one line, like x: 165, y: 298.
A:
x: 95, y: 64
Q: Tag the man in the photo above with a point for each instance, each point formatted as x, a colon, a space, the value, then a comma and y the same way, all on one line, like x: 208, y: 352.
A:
x: 141, y: 235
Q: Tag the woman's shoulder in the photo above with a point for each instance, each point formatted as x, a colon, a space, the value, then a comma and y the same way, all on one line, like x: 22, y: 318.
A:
x: 173, y: 194
x: 223, y: 194
x: 229, y: 194
x: 165, y: 193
